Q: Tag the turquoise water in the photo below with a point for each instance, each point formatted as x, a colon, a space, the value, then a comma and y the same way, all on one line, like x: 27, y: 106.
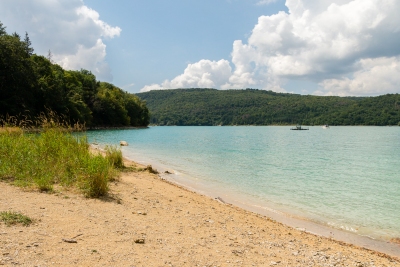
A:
x: 345, y: 177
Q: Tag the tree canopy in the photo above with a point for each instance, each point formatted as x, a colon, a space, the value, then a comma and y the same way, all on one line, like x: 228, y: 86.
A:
x: 31, y: 84
x: 259, y: 107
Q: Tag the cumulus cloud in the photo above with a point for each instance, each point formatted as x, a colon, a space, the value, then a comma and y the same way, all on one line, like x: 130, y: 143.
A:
x: 73, y: 32
x: 333, y: 43
x: 202, y: 74
x: 376, y: 76
x: 323, y: 40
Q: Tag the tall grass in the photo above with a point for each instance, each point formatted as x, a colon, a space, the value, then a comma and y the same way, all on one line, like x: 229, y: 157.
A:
x: 52, y: 156
x: 114, y: 156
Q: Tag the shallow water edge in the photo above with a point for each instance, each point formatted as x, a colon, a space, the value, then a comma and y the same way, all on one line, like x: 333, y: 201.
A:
x: 301, y: 224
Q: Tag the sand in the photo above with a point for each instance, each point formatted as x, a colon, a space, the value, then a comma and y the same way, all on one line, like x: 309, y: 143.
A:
x: 148, y: 221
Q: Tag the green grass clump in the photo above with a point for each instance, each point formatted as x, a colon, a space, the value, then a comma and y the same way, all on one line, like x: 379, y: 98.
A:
x: 114, y: 156
x: 12, y: 218
x: 53, y: 156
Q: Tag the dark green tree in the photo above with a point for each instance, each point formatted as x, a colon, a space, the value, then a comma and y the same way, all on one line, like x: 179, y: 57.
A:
x: 2, y: 29
x: 17, y: 79
x: 31, y: 84
x: 27, y: 42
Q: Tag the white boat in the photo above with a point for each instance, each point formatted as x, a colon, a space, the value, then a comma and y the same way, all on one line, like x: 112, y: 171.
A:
x: 326, y: 126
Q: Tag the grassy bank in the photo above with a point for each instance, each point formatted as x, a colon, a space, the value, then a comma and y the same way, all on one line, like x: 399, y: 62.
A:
x: 55, y: 156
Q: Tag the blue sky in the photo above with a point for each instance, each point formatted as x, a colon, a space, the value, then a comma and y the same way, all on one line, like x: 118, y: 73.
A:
x: 321, y: 47
x: 160, y: 38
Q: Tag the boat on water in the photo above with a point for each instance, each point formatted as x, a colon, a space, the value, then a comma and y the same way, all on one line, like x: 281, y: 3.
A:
x: 298, y: 128
x: 326, y: 126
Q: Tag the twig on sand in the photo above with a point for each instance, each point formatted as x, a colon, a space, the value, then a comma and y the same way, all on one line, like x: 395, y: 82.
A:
x: 76, y: 236
x: 71, y: 240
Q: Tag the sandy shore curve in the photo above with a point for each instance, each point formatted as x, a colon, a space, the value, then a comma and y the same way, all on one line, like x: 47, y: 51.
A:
x: 149, y: 221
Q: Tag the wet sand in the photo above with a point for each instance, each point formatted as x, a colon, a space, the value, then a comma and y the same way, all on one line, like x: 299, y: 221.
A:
x: 149, y: 221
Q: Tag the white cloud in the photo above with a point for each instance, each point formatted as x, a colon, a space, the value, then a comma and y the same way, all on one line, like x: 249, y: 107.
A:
x: 317, y: 40
x: 86, y: 13
x: 73, y: 32
x: 153, y: 86
x: 323, y: 40
x: 202, y: 74
x: 376, y: 76
x: 91, y: 58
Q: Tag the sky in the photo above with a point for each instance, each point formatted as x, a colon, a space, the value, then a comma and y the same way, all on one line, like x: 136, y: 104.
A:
x: 316, y: 47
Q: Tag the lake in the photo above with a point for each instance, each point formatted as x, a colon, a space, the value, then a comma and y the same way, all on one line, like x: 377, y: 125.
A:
x: 343, y: 177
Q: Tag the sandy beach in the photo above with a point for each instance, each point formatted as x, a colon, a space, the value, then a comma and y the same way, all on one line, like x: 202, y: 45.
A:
x: 149, y: 221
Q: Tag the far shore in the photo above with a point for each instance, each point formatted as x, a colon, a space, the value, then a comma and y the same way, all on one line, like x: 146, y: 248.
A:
x: 148, y: 220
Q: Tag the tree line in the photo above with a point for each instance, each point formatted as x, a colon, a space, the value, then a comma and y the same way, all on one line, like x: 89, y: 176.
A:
x: 31, y: 84
x: 260, y: 107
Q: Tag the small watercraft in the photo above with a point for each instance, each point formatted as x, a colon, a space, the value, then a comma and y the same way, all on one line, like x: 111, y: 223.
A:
x: 298, y: 128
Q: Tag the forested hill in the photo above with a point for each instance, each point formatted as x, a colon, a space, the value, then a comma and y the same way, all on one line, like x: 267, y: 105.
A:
x: 31, y: 84
x: 259, y: 107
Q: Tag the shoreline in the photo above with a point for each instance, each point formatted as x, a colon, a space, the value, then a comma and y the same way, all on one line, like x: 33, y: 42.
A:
x: 302, y: 224
x: 149, y: 221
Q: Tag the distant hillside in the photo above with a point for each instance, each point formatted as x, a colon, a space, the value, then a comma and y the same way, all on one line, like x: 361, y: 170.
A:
x: 259, y: 107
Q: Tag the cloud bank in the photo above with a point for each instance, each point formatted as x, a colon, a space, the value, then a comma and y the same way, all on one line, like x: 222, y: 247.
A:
x: 73, y: 32
x: 347, y: 47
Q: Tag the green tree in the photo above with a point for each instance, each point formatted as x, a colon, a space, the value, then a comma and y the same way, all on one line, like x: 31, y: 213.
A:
x: 2, y: 29
x: 27, y: 44
x: 17, y: 78
x: 30, y: 84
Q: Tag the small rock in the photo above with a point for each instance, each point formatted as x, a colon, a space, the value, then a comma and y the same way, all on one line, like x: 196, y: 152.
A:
x: 139, y: 241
